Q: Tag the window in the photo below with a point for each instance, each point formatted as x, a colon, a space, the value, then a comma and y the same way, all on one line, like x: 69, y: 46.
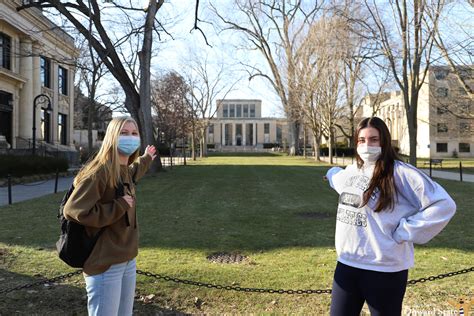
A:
x: 45, y: 124
x: 45, y: 72
x: 442, y: 109
x: 442, y: 92
x: 464, y: 128
x: 279, y: 135
x: 62, y: 128
x: 464, y: 147
x: 238, y: 110
x: 465, y: 73
x: 225, y: 112
x: 62, y: 80
x: 232, y: 110
x: 238, y: 134
x: 252, y: 110
x: 266, y: 128
x: 442, y: 128
x: 5, y: 51
x: 465, y: 108
x: 462, y: 91
x: 249, y: 135
x: 442, y: 147
x: 441, y: 74
x: 246, y: 110
x: 211, y: 128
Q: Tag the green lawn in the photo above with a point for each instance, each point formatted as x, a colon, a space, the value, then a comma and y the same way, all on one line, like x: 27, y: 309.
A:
x: 254, y: 206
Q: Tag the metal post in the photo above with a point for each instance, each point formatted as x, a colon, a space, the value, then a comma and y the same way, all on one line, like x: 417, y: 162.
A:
x: 430, y: 170
x: 56, y: 182
x: 9, y: 177
x: 460, y: 171
x: 184, y: 152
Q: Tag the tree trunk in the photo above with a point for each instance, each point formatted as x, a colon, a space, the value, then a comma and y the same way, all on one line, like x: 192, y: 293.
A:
x: 145, y: 82
x: 193, y: 144
x: 90, y: 117
x: 412, y: 132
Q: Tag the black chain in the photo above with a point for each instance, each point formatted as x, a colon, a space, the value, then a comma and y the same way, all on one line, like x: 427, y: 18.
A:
x: 230, y: 287
x: 48, y: 281
x: 440, y: 276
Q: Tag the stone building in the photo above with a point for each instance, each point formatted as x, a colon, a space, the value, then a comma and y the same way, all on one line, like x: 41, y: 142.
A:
x: 445, y: 115
x: 239, y: 126
x: 36, y: 68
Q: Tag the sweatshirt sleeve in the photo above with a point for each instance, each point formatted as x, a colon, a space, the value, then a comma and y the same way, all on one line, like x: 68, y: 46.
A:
x: 435, y: 209
x: 140, y: 167
x: 336, y: 177
x: 86, y: 207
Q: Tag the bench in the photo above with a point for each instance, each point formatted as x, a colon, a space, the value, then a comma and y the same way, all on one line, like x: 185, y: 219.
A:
x: 435, y: 162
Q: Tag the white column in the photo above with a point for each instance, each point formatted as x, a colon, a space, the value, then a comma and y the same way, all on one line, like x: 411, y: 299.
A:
x: 223, y: 134
x: 26, y: 94
x: 233, y: 134
x: 254, y: 134
x: 243, y: 134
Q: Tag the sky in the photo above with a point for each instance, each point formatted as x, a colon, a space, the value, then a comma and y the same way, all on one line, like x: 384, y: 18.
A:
x: 175, y: 54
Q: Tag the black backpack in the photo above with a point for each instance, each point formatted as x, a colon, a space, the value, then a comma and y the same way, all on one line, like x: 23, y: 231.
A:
x: 74, y: 245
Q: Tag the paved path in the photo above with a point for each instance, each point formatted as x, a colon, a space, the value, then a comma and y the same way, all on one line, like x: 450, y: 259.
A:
x: 33, y: 190
x: 449, y: 175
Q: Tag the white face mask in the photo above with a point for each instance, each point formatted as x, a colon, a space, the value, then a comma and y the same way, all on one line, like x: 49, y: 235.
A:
x: 369, y: 154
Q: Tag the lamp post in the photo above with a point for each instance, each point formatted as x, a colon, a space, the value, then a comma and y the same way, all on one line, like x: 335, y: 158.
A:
x: 43, y: 98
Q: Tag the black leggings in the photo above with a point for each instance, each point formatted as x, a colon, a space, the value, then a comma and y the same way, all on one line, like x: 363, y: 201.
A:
x: 383, y: 291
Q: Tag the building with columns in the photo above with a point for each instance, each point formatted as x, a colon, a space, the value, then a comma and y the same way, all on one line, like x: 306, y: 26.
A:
x: 36, y: 58
x: 239, y: 126
x: 445, y: 115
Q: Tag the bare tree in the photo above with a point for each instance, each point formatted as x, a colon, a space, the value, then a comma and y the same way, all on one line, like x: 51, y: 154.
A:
x: 172, y: 119
x: 206, y: 85
x: 408, y: 51
x: 276, y: 29
x: 93, y: 20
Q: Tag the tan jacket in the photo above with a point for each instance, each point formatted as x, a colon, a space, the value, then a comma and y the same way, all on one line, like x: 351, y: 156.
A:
x: 94, y: 204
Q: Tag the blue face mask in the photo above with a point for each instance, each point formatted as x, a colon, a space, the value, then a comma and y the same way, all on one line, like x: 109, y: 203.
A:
x: 127, y: 145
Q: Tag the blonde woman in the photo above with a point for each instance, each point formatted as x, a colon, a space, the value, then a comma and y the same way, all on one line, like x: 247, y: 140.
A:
x: 110, y: 270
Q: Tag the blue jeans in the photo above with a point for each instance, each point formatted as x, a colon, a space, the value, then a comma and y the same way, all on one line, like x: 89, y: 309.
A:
x: 112, y: 292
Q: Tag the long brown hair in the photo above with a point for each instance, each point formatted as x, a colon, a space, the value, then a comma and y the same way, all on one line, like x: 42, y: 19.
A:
x: 383, y: 172
x: 108, y: 156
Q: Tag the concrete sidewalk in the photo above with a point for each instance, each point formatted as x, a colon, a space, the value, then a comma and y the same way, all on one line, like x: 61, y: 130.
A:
x: 449, y: 175
x: 23, y: 192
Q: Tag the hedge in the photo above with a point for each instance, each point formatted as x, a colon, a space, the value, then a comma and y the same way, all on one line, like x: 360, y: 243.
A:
x: 340, y: 151
x: 18, y: 166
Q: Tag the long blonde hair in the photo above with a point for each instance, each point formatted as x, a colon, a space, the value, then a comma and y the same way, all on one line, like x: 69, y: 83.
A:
x: 108, y: 156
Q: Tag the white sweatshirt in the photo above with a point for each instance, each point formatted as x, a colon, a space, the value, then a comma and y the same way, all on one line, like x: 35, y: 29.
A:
x: 383, y: 241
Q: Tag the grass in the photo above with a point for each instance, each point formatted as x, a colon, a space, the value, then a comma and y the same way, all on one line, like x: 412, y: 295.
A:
x: 248, y: 205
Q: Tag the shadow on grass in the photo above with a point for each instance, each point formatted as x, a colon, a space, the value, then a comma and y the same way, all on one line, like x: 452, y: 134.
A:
x: 229, y: 208
x: 57, y: 299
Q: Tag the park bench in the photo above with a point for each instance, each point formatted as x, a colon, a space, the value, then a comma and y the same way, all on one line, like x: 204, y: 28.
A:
x: 435, y: 162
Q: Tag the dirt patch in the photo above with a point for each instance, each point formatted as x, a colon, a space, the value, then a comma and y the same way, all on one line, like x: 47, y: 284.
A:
x: 224, y: 257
